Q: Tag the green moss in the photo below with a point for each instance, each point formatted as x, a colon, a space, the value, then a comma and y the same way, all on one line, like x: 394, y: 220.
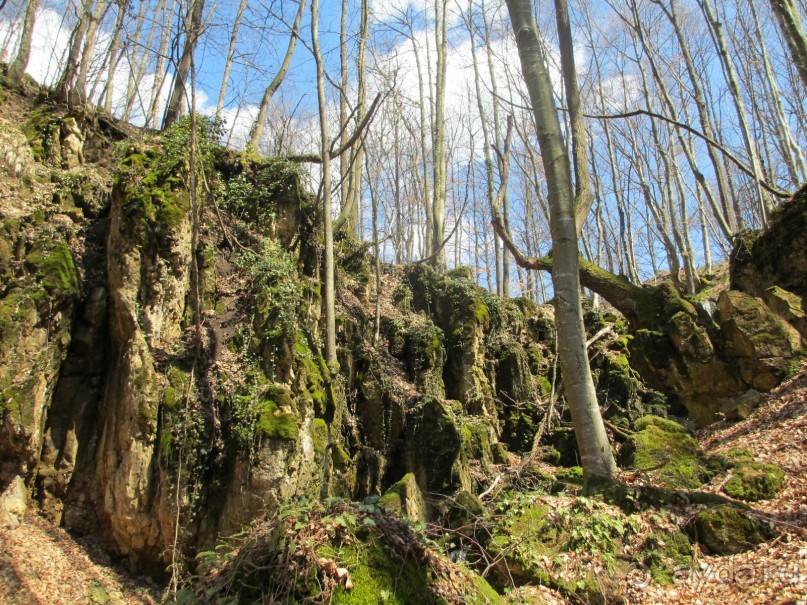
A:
x: 664, y: 552
x: 315, y: 371
x: 725, y: 530
x: 340, y: 458
x: 664, y: 424
x: 320, y: 434
x: 274, y: 420
x: 740, y: 454
x: 753, y: 481
x: 666, y: 449
x: 378, y: 578
x: 572, y: 475
x: 483, y: 593
x: 55, y: 269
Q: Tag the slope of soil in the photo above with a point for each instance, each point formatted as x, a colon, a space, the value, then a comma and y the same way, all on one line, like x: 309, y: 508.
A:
x: 43, y: 565
x: 776, y: 571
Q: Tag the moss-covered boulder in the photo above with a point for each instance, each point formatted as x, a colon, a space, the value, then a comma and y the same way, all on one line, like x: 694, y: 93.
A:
x: 776, y: 256
x: 665, y: 552
x: 789, y: 307
x: 681, y: 360
x: 531, y: 536
x: 761, y: 342
x: 433, y: 448
x: 404, y: 499
x: 753, y: 481
x: 725, y: 530
x: 667, y: 450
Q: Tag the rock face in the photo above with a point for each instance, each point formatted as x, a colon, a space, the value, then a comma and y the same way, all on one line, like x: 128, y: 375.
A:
x: 776, y: 257
x: 761, y: 342
x: 154, y: 377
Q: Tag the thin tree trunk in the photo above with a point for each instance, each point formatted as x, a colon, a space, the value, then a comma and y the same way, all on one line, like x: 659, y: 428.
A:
x: 89, y: 48
x: 325, y: 144
x: 734, y: 89
x: 483, y: 119
x: 595, y: 451
x: 67, y: 81
x: 159, y: 70
x: 105, y: 100
x: 17, y: 67
x: 439, y: 145
x: 260, y: 121
x: 176, y: 103
x: 228, y: 64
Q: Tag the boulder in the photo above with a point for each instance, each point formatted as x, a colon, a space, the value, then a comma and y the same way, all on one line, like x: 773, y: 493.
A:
x: 761, y: 342
x: 776, y: 256
x: 404, y: 499
x: 789, y: 307
x: 753, y: 481
x: 666, y: 449
x: 434, y: 448
x: 725, y: 530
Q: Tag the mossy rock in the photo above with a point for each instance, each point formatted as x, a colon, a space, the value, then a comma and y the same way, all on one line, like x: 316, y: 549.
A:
x: 55, y: 269
x: 275, y: 419
x: 664, y: 424
x: 404, y: 499
x: 753, y: 481
x: 573, y: 475
x: 725, y: 530
x: 378, y: 578
x: 461, y: 509
x: 667, y: 448
x: 665, y: 552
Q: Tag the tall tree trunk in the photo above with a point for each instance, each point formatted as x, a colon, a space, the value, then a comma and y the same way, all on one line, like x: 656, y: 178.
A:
x: 159, y: 70
x: 67, y: 81
x: 790, y: 21
x: 228, y: 64
x: 483, y: 119
x: 17, y: 67
x: 357, y: 154
x: 260, y: 121
x: 89, y: 48
x: 439, y: 145
x: 193, y: 25
x: 325, y: 144
x: 107, y: 94
x: 595, y: 451
x: 502, y: 255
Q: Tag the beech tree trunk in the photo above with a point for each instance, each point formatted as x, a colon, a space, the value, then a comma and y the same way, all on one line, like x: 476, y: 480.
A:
x: 789, y: 18
x: 177, y: 101
x: 325, y: 144
x: 260, y: 121
x: 17, y: 67
x: 595, y: 451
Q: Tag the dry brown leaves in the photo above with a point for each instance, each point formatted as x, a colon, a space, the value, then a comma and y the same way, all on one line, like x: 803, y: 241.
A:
x: 775, y: 572
x: 42, y: 564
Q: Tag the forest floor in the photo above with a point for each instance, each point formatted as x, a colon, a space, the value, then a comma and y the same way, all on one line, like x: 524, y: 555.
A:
x: 775, y: 572
x: 43, y: 565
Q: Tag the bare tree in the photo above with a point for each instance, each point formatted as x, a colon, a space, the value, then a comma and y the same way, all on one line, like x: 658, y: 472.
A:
x: 192, y: 26
x: 595, y: 451
x: 260, y: 121
x: 17, y: 67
